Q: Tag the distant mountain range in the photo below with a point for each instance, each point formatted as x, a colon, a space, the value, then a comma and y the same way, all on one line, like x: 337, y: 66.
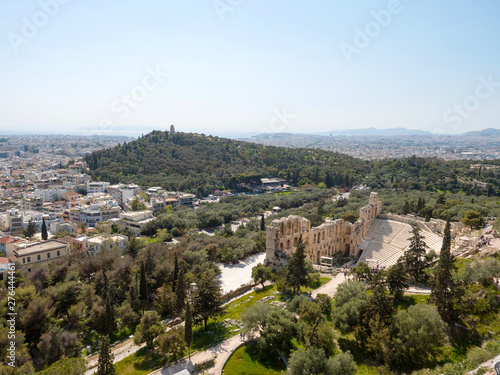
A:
x: 376, y: 132
x: 490, y: 132
x: 392, y: 132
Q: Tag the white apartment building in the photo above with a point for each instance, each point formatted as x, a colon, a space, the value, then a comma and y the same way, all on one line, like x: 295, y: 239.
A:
x: 50, y: 195
x: 93, y: 245
x: 97, y: 187
x: 122, y: 192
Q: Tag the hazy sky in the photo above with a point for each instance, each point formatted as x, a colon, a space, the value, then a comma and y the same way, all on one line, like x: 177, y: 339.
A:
x: 211, y: 66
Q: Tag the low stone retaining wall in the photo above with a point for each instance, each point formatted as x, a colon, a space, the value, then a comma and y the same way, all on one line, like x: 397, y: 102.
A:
x: 242, y: 289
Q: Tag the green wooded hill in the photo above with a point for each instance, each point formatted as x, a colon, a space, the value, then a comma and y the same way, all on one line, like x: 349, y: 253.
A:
x: 200, y: 164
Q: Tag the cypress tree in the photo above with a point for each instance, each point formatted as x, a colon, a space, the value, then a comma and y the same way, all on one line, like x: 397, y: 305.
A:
x: 105, y: 365
x: 44, y: 230
x: 188, y: 328
x: 262, y: 223
x: 109, y: 314
x: 176, y: 272
x: 446, y: 292
x: 134, y: 301
x: 143, y: 286
x: 406, y: 208
x: 180, y: 292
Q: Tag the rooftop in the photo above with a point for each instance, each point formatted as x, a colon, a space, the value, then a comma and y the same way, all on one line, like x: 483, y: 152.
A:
x: 39, y: 247
x: 10, y: 239
x: 100, y: 238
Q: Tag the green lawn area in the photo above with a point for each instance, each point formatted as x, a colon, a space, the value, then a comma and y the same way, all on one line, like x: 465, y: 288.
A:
x: 142, y: 362
x: 410, y: 300
x: 233, y: 311
x: 139, y: 363
x: 247, y: 361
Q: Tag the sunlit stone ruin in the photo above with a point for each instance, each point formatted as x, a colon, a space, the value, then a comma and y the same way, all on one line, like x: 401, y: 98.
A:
x: 377, y: 238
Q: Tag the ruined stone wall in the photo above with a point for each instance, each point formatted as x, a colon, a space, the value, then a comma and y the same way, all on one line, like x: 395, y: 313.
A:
x: 333, y: 236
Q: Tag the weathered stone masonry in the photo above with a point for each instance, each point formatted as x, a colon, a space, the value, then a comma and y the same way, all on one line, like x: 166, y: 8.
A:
x: 333, y: 236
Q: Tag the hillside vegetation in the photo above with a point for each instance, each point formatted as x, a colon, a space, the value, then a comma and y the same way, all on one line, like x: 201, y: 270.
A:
x: 200, y: 164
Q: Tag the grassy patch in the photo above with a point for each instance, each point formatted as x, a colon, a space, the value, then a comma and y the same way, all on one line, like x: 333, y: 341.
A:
x: 248, y: 361
x: 216, y: 333
x: 235, y: 308
x: 139, y: 363
x: 363, y: 363
x: 410, y: 300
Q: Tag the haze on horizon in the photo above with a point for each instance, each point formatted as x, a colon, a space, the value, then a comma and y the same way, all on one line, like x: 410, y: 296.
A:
x: 219, y: 66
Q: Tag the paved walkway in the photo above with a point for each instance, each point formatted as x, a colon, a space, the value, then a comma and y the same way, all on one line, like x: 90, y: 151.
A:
x: 223, y: 351
x: 330, y: 287
x: 226, y: 348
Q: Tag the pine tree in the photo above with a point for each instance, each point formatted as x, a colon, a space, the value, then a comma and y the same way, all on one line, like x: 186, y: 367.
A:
x: 296, y: 274
x: 414, y: 256
x: 31, y: 229
x: 188, y: 328
x: 45, y: 235
x: 208, y: 297
x: 180, y: 292
x: 105, y: 365
x: 176, y: 272
x: 143, y: 286
x: 397, y: 279
x: 446, y: 292
x: 132, y: 247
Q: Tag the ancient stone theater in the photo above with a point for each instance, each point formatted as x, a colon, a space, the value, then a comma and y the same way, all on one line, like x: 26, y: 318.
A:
x: 333, y: 236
